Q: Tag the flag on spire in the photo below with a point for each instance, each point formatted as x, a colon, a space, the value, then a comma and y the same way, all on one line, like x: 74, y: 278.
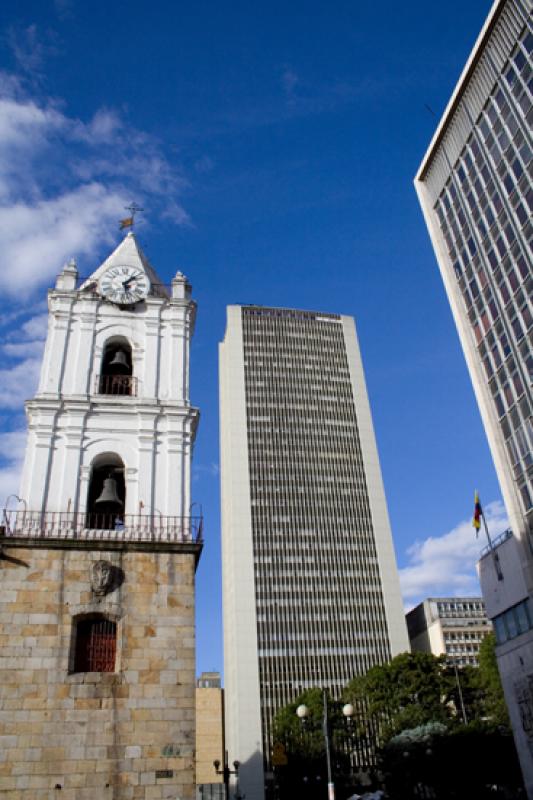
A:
x: 476, y: 521
x: 126, y: 223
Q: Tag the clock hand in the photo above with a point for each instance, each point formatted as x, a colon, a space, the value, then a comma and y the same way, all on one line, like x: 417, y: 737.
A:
x: 130, y: 279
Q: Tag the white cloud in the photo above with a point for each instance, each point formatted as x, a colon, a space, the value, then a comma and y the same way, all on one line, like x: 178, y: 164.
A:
x: 211, y: 470
x: 39, y: 237
x: 35, y: 327
x: 27, y: 341
x: 24, y: 125
x: 30, y: 49
x: 65, y: 182
x: 19, y: 383
x: 23, y: 349
x: 12, y: 445
x: 9, y: 482
x: 445, y: 565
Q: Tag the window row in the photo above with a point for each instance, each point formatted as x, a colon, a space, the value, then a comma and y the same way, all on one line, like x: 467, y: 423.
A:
x: 513, y: 622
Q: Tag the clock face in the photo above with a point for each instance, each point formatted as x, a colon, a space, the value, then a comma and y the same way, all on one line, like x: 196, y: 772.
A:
x: 124, y: 285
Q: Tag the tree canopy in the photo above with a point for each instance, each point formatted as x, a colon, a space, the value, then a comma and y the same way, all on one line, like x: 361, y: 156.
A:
x: 411, y: 716
x: 490, y: 682
x: 411, y: 690
x: 299, y: 747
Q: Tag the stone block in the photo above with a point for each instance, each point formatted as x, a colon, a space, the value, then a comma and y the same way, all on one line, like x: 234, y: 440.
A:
x: 78, y: 728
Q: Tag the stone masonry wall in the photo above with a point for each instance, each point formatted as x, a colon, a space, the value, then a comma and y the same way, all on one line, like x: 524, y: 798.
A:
x: 96, y: 736
x: 209, y: 734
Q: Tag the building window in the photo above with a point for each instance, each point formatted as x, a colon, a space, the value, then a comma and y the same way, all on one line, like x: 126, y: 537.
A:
x: 95, y: 644
x: 513, y: 622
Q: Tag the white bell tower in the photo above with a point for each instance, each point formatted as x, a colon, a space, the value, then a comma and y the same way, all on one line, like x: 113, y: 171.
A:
x: 113, y: 401
x: 98, y: 562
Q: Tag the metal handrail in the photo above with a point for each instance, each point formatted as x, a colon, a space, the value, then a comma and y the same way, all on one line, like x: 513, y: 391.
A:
x: 506, y: 534
x: 123, y: 385
x: 96, y: 525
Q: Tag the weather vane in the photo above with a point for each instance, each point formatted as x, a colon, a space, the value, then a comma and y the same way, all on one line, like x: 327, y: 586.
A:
x: 128, y: 222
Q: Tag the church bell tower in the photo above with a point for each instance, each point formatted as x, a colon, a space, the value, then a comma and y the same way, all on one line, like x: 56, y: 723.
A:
x: 98, y: 560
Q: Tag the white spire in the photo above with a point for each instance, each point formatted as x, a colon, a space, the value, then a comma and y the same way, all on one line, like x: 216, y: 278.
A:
x: 129, y: 254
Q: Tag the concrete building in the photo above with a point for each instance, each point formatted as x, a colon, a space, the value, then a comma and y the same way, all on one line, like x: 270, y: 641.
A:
x: 98, y: 555
x: 210, y: 745
x: 310, y: 586
x: 476, y: 190
x: 450, y: 626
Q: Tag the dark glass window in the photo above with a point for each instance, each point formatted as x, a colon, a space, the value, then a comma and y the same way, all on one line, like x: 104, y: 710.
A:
x: 95, y: 645
x: 517, y: 328
x: 526, y: 497
x: 499, y: 405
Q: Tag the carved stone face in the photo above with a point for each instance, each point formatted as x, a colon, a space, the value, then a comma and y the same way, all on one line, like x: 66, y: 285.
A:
x: 101, y: 577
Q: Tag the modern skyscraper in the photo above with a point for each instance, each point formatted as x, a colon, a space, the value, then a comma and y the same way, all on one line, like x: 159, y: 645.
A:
x: 97, y: 666
x: 310, y: 586
x: 476, y: 190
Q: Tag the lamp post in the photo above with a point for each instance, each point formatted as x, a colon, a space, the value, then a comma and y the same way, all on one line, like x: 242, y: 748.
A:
x: 458, y: 682
x: 302, y: 713
x: 226, y: 772
x: 9, y: 510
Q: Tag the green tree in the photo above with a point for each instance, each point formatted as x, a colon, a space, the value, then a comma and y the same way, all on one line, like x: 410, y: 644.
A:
x: 495, y: 708
x: 409, y: 691
x: 470, y: 761
x: 303, y: 745
x: 288, y: 728
x: 466, y: 693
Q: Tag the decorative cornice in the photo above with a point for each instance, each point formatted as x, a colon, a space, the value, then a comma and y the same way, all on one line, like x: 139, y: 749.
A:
x: 89, y: 545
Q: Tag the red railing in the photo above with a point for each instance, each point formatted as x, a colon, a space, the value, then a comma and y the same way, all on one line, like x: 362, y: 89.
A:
x: 111, y: 527
x: 116, y: 384
x: 96, y: 645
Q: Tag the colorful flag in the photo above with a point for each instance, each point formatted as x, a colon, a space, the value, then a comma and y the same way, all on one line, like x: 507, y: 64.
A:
x: 126, y: 223
x: 476, y: 521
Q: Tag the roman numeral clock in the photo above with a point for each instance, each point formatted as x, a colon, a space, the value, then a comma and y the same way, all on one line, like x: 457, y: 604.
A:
x: 124, y: 285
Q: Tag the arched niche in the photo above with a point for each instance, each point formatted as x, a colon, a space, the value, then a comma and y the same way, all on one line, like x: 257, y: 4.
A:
x: 116, y: 371
x: 106, y: 494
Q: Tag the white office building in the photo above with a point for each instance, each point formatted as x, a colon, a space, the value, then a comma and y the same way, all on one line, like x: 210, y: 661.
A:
x: 310, y: 586
x: 475, y: 186
x: 449, y: 626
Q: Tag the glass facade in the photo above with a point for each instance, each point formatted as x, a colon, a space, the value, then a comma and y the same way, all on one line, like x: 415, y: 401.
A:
x: 484, y: 213
x: 475, y: 186
x: 318, y: 591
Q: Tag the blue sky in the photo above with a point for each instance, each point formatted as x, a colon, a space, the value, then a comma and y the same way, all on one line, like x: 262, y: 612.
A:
x: 273, y: 148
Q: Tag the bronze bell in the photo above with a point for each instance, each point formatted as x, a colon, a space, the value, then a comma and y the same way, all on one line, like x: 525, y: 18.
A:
x: 109, y: 496
x: 119, y: 362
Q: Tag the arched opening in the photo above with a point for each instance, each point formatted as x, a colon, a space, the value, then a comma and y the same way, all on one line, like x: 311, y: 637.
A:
x: 116, y: 374
x: 106, y: 498
x: 95, y: 644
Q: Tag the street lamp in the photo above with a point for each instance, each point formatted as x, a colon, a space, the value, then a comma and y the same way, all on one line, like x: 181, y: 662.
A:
x: 9, y: 510
x: 226, y: 772
x: 302, y: 712
x: 452, y: 662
